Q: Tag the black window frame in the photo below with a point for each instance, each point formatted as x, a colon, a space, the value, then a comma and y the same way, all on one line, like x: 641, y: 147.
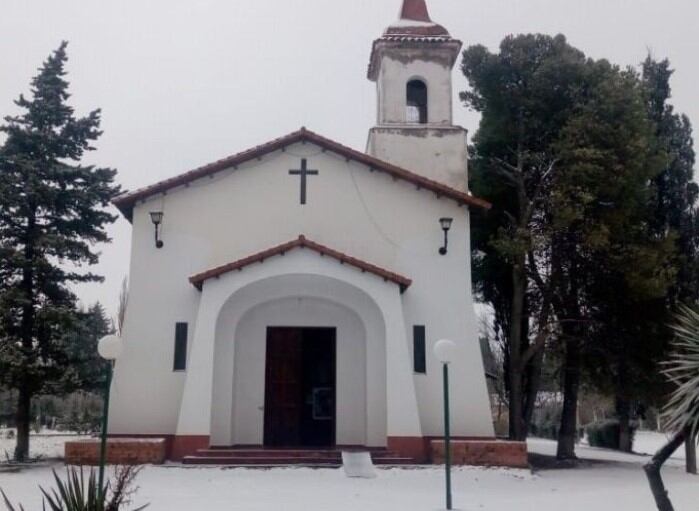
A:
x: 179, y: 363
x: 419, y: 349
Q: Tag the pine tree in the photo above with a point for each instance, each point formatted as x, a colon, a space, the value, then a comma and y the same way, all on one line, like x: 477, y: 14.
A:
x: 607, y: 261
x: 525, y: 94
x: 52, y: 213
x: 83, y: 367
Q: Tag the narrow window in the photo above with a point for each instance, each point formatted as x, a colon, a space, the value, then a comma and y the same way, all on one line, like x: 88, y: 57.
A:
x: 416, y: 110
x: 180, y: 347
x: 419, y: 359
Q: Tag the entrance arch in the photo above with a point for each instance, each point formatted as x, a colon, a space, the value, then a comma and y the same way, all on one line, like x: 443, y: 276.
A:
x: 299, y: 300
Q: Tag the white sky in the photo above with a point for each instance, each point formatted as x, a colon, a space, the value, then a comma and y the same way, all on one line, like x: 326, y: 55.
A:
x: 185, y: 82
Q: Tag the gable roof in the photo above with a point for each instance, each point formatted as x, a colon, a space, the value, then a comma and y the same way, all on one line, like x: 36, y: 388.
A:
x: 301, y: 242
x: 126, y: 201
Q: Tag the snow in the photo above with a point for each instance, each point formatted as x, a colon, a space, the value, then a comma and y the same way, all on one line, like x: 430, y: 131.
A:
x: 648, y: 442
x: 614, y: 481
x: 47, y: 444
x: 412, y: 23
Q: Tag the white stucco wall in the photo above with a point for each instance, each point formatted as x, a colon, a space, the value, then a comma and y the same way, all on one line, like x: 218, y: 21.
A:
x: 239, y: 212
x: 397, y: 68
x: 438, y: 153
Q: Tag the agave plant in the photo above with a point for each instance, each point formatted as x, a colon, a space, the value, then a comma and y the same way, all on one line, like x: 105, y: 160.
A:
x: 682, y: 369
x: 681, y: 412
x: 78, y: 494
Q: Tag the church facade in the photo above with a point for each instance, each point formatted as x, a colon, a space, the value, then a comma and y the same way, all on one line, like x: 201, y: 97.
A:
x: 289, y: 296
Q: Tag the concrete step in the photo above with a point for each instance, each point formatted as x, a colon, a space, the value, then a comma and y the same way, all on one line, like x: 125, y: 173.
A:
x: 284, y: 457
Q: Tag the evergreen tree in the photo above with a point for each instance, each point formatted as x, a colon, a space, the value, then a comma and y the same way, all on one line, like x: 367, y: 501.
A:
x: 84, y: 368
x: 567, y: 154
x: 606, y: 260
x: 51, y: 216
x: 676, y: 193
x: 633, y: 336
x: 526, y: 93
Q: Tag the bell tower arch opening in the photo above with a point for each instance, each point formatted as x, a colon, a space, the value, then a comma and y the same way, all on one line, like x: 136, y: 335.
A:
x: 416, y: 102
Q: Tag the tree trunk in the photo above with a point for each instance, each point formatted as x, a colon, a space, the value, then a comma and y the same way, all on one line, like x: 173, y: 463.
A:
x: 691, y: 454
x: 27, y: 336
x: 532, y: 388
x: 652, y: 468
x: 623, y: 413
x: 516, y: 374
x: 23, y: 419
x: 568, y: 433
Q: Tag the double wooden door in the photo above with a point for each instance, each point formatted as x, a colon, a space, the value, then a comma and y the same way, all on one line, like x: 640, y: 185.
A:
x: 300, y: 387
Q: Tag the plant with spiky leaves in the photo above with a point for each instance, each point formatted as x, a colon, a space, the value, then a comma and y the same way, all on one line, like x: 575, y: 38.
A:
x: 77, y: 493
x: 682, y: 410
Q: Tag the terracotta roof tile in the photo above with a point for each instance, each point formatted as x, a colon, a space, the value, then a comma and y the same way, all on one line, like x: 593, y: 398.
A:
x: 301, y: 242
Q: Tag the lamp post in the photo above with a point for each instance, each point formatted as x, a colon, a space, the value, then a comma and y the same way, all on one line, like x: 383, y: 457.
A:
x: 445, y: 352
x: 109, y: 348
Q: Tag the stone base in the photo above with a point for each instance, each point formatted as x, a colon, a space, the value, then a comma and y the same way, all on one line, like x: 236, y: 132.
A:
x: 488, y: 453
x: 120, y: 451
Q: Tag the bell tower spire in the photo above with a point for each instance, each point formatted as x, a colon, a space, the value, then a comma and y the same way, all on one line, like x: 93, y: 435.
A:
x: 412, y: 65
x: 415, y: 10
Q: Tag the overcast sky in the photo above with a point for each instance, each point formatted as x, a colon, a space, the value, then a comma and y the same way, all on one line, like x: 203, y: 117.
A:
x: 182, y: 83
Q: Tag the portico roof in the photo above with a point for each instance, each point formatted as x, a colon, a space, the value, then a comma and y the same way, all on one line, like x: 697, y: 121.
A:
x: 126, y: 201
x: 300, y: 243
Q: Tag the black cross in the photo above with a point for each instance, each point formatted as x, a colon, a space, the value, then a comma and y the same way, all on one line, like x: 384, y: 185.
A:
x: 303, y: 172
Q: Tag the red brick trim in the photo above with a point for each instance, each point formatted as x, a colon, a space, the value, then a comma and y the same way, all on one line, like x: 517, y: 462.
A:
x: 415, y: 447
x: 186, y: 445
x: 490, y: 453
x: 301, y: 242
x: 120, y: 451
x: 126, y: 201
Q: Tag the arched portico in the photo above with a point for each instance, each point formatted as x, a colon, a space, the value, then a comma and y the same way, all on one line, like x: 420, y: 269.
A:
x: 299, y: 301
x: 213, y: 411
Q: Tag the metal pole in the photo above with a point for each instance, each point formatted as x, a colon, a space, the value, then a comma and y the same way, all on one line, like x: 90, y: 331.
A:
x: 447, y: 435
x: 105, y: 419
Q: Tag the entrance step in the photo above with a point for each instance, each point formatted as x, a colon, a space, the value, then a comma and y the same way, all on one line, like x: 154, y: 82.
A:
x: 265, y: 458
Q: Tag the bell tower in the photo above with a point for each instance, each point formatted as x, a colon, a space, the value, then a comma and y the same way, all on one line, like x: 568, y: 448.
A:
x: 411, y: 64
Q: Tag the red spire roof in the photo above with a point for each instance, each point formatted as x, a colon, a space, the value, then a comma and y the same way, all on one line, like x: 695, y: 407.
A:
x: 415, y: 21
x: 415, y: 10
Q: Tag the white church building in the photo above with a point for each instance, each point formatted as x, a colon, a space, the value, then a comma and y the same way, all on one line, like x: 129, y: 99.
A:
x: 289, y: 296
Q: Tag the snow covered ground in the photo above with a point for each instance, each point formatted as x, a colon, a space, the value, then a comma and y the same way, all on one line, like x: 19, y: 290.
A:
x: 613, y: 482
x: 46, y: 444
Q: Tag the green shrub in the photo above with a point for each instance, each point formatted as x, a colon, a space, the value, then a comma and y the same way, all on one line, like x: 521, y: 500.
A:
x: 606, y: 433
x: 545, y: 429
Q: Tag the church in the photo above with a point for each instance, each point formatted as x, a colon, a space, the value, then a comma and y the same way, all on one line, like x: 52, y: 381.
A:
x: 289, y: 296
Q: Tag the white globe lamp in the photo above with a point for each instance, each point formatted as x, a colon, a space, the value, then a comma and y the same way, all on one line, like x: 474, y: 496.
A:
x: 445, y: 351
x: 110, y: 347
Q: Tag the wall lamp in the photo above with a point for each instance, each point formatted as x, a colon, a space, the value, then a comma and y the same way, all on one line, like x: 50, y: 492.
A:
x: 157, y: 218
x: 446, y: 225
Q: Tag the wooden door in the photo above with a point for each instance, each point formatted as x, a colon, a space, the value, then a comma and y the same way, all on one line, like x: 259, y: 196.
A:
x: 283, y: 387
